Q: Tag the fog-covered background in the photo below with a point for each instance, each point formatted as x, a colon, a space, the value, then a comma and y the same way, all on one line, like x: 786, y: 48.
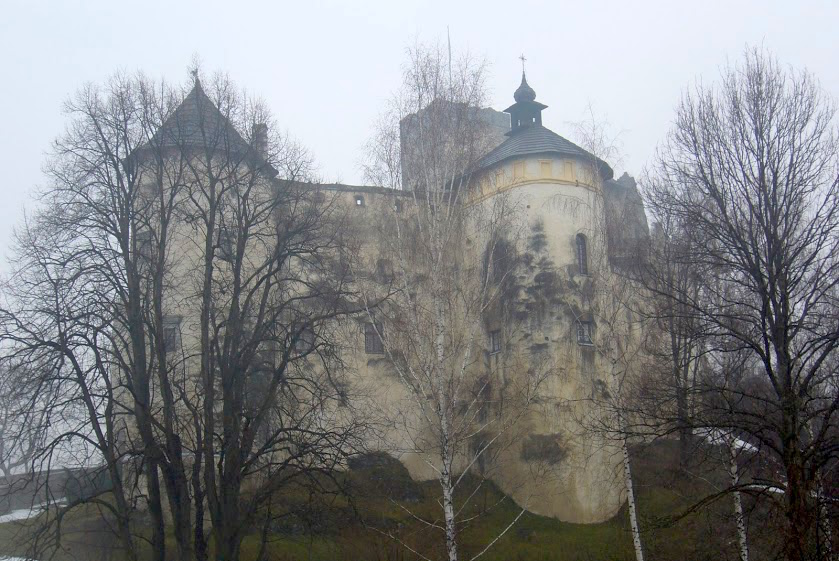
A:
x: 327, y: 68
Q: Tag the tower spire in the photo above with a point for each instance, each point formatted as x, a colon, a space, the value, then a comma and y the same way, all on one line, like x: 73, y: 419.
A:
x: 526, y: 111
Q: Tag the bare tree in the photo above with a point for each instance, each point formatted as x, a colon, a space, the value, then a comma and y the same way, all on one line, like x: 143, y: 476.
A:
x: 751, y: 165
x: 271, y: 410
x: 178, y: 286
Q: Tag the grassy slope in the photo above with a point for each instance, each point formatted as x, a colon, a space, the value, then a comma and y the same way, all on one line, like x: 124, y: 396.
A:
x: 333, y: 531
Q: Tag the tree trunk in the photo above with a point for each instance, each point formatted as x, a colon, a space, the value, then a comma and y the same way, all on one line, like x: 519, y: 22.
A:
x: 738, y: 503
x: 630, y: 499
x: 448, y: 513
x: 685, y: 431
x: 158, y: 536
x: 824, y: 524
x: 198, y: 499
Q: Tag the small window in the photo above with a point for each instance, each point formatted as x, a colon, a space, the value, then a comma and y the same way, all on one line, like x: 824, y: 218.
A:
x: 305, y: 342
x: 170, y: 336
x: 582, y: 255
x: 585, y: 331
x: 495, y: 341
x: 266, y: 357
x: 359, y: 200
x: 397, y: 206
x: 320, y: 197
x: 143, y: 241
x: 373, y: 344
x: 226, y: 244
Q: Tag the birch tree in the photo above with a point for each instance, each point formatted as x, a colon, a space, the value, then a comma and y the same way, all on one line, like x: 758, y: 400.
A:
x: 620, y: 339
x: 450, y: 258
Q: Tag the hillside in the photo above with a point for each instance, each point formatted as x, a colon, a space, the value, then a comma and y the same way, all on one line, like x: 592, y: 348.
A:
x: 332, y: 526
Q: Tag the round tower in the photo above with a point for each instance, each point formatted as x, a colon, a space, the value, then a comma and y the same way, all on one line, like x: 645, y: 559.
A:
x: 561, y: 467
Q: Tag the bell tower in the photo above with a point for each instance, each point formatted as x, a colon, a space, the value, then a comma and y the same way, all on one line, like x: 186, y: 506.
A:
x: 526, y: 111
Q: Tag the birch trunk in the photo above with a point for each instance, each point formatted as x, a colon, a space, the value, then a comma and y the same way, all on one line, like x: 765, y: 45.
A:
x: 738, y: 502
x: 630, y: 499
x: 448, y: 513
x: 824, y: 522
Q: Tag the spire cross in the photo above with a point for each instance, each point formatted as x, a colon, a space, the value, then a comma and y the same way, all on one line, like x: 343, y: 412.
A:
x: 523, y: 60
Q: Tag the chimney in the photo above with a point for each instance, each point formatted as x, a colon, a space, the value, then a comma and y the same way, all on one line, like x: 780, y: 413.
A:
x: 260, y: 138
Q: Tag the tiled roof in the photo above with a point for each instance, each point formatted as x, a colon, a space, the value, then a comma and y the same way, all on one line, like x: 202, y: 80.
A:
x: 537, y: 139
x: 198, y: 122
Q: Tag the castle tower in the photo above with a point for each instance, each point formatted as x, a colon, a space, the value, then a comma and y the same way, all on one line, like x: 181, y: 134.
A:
x: 567, y: 197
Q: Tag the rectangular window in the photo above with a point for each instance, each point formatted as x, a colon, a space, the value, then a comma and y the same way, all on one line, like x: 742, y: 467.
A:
x: 585, y: 332
x: 373, y: 344
x: 518, y: 171
x: 569, y: 170
x: 266, y: 357
x: 226, y: 244
x: 359, y: 200
x: 305, y: 342
x: 170, y: 338
x: 143, y: 242
x: 495, y: 341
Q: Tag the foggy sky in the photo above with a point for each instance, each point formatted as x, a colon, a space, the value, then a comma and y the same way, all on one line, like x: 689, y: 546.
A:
x: 326, y: 69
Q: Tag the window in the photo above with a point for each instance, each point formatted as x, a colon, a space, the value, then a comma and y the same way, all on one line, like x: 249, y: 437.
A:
x: 305, y: 342
x: 397, y: 206
x: 143, y: 241
x: 495, y: 341
x: 582, y: 255
x: 266, y: 358
x: 359, y: 200
x: 585, y: 330
x: 226, y: 244
x: 373, y: 344
x: 170, y: 337
x: 518, y: 170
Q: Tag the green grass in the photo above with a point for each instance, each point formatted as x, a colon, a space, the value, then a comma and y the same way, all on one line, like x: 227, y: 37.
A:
x: 335, y: 527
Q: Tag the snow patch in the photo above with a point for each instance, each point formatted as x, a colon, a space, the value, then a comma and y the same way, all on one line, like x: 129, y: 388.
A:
x: 25, y: 514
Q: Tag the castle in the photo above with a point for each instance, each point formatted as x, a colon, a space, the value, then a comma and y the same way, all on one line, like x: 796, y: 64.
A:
x: 580, y: 225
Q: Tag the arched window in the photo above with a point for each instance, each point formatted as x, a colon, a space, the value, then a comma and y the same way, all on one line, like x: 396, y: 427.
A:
x: 582, y: 255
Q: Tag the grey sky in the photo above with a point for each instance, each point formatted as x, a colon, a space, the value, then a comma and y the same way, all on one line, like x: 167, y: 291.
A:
x: 327, y: 68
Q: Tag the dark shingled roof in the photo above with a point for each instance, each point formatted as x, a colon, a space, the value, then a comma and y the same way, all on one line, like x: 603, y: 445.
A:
x: 536, y: 139
x: 198, y: 123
